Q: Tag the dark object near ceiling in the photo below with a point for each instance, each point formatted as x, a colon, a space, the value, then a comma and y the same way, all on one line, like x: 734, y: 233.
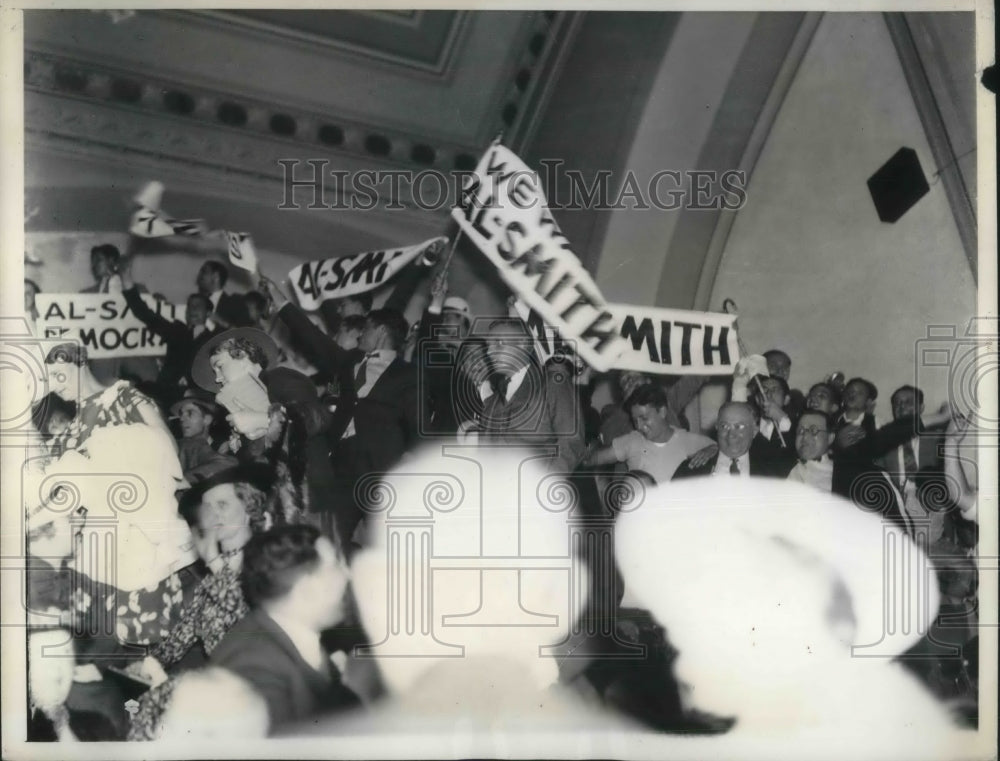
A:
x: 898, y: 185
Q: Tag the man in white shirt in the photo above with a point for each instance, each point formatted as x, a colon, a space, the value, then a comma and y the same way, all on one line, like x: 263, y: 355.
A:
x: 813, y: 439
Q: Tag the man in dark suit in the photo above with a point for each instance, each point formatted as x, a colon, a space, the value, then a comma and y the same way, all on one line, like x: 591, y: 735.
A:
x: 773, y: 446
x: 915, y: 464
x: 530, y: 407
x: 376, y: 417
x: 736, y: 429
x: 183, y: 339
x: 294, y: 582
x: 228, y: 310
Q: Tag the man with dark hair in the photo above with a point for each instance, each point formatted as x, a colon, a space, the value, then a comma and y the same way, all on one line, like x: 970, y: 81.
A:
x: 528, y: 406
x: 105, y: 260
x: 773, y: 447
x: 655, y: 446
x: 108, y: 267
x: 824, y: 397
x: 228, y: 310
x: 183, y: 339
x: 916, y: 464
x: 295, y: 583
x: 257, y: 307
x: 779, y: 365
x: 376, y: 417
x: 857, y: 416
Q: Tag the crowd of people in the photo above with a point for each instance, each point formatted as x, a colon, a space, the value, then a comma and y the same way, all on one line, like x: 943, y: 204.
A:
x: 250, y: 439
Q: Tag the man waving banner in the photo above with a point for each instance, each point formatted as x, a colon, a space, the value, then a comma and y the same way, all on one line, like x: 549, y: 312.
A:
x: 318, y: 281
x: 503, y: 210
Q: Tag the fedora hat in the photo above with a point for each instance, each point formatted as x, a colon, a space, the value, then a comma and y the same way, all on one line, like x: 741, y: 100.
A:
x: 201, y: 369
x: 198, y: 397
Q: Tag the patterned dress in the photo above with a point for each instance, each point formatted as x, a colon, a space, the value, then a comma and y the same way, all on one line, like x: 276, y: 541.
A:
x: 217, y: 606
x: 119, y: 404
x: 141, y: 616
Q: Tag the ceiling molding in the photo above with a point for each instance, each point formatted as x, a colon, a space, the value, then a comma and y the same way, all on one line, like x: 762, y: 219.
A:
x: 325, y: 45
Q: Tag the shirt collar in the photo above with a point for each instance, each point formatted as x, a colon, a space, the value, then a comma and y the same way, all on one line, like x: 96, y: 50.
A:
x: 214, y: 298
x: 515, y: 382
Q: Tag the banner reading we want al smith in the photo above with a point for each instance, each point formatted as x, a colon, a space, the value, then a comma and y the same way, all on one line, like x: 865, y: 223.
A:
x: 503, y: 210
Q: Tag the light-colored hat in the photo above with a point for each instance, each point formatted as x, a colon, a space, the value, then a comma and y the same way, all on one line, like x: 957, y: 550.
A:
x: 457, y: 304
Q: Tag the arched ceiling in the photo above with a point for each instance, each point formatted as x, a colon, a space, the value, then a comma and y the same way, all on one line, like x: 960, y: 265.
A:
x: 210, y: 102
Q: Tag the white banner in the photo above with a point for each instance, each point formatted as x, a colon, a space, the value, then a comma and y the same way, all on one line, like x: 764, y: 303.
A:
x: 149, y: 223
x: 662, y: 341
x: 319, y: 281
x: 103, y: 323
x: 503, y: 210
x: 676, y: 341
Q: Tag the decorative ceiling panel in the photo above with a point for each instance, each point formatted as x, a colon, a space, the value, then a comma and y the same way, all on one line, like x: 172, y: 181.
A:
x: 421, y: 39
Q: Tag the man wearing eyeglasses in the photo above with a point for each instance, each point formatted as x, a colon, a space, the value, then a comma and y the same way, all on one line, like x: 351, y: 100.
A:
x: 736, y: 428
x: 813, y: 439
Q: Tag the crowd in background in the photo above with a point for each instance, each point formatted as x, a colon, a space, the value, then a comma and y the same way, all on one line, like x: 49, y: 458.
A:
x: 253, y: 432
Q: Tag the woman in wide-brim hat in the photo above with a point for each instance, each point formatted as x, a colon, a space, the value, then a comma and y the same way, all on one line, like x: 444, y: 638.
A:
x: 224, y: 511
x: 287, y: 439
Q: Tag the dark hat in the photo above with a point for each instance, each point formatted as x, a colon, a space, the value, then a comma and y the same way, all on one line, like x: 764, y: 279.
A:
x: 201, y: 368
x: 258, y: 475
x: 198, y: 397
x: 70, y: 353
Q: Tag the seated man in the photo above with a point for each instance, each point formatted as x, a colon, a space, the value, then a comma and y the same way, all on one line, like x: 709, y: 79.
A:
x: 655, y: 446
x: 294, y: 582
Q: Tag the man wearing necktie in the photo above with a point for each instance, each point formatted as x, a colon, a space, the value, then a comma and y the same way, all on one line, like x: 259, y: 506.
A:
x: 735, y: 427
x: 528, y: 405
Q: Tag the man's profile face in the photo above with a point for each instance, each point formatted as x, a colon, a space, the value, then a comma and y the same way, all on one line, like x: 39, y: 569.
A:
x: 904, y: 405
x: 736, y: 431
x: 330, y: 580
x: 369, y: 337
x: 348, y: 338
x: 812, y: 436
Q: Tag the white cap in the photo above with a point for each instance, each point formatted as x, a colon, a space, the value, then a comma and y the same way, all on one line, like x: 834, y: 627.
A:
x: 457, y: 304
